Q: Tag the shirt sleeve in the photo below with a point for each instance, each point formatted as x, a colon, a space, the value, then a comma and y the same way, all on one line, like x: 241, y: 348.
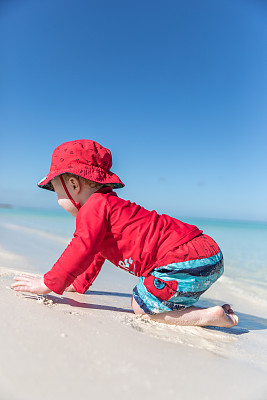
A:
x: 91, y: 227
x: 85, y: 280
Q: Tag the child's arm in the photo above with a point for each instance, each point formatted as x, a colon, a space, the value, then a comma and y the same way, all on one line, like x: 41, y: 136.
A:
x: 32, y: 284
x: 84, y: 280
x: 28, y: 283
x: 81, y: 252
x: 91, y: 227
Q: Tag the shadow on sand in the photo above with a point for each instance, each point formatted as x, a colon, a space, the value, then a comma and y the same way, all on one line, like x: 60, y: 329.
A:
x: 101, y: 293
x: 78, y: 304
x: 247, y: 322
x: 252, y: 322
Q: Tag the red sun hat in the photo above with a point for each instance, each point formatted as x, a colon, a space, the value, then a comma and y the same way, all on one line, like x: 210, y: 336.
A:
x: 84, y: 158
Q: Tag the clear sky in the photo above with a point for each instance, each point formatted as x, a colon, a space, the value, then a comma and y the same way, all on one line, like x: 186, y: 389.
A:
x: 176, y: 89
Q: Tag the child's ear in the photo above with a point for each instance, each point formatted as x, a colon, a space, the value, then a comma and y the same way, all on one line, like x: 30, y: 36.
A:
x: 75, y: 184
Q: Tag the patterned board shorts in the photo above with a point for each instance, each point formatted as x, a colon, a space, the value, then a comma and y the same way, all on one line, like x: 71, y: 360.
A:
x: 178, y: 285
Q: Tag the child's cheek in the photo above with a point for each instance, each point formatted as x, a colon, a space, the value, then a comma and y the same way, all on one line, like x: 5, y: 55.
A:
x: 68, y: 206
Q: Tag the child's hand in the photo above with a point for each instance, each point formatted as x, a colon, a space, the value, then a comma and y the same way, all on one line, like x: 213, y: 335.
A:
x: 27, y: 283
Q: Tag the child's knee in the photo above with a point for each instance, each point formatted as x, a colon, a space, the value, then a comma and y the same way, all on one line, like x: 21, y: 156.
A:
x: 136, y: 309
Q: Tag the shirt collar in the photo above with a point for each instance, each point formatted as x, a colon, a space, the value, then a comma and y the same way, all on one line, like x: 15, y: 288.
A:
x: 104, y: 190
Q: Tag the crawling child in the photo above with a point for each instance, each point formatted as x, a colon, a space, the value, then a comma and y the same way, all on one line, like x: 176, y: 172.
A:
x: 175, y: 261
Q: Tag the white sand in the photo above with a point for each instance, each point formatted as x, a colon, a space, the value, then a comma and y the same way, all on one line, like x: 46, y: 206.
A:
x: 84, y: 346
x: 76, y: 346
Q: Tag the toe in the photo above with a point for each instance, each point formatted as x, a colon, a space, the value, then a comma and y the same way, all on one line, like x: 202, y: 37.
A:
x: 227, y: 308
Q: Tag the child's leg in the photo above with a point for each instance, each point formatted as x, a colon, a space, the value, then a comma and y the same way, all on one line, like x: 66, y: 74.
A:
x: 168, y: 293
x: 194, y: 316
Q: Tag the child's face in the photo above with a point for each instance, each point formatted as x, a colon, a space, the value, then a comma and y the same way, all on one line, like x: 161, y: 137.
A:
x: 63, y: 199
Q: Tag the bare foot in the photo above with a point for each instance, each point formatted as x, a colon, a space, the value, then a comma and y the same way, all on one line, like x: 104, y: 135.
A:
x: 222, y: 316
x: 195, y: 316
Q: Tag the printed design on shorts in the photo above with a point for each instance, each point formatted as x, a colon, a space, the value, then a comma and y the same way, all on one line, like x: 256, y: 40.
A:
x: 159, y: 284
x: 203, y: 270
x: 149, y: 303
x: 160, y: 289
x: 142, y: 301
x: 186, y: 288
x: 198, y: 267
x: 126, y: 265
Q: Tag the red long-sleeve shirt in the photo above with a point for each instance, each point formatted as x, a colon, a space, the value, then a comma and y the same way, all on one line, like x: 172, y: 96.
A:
x: 131, y: 237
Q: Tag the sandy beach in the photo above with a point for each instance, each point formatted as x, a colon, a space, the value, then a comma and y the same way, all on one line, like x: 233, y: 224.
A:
x: 92, y: 345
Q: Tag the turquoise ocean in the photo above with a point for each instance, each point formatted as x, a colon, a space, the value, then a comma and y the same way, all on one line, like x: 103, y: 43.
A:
x: 38, y: 237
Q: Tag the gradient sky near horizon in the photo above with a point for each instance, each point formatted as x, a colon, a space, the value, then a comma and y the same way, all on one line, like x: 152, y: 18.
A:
x: 176, y: 89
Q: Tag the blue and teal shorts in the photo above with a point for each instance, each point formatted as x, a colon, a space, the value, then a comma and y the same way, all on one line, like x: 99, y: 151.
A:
x: 179, y: 285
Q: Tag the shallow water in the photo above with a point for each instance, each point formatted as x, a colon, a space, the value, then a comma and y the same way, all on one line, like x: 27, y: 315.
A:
x: 244, y: 245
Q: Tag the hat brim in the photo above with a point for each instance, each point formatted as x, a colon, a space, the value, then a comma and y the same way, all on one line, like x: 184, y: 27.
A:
x: 100, y: 176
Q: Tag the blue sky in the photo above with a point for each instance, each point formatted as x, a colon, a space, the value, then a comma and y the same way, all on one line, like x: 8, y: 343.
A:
x: 176, y: 90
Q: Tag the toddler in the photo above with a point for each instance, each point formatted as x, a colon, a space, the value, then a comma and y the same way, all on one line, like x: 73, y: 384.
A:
x: 175, y: 261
